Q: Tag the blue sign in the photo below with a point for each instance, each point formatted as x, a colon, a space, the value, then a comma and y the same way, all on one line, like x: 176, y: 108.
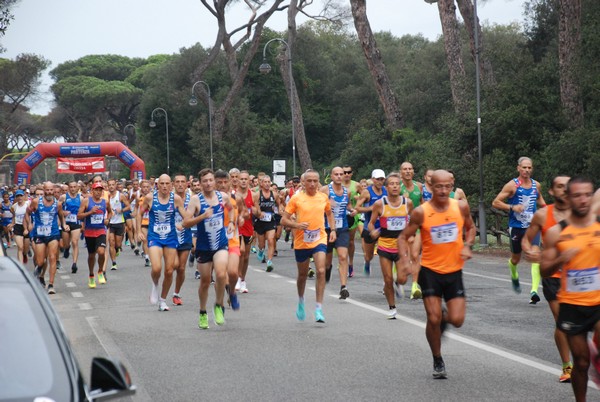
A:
x: 138, y: 174
x: 22, y: 178
x: 33, y: 159
x: 80, y: 150
x: 126, y: 158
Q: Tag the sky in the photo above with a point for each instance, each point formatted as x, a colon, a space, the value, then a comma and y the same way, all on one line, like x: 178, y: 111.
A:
x: 62, y: 30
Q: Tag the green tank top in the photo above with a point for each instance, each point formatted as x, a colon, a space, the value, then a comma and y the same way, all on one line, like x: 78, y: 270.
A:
x: 414, y: 195
x: 352, y: 191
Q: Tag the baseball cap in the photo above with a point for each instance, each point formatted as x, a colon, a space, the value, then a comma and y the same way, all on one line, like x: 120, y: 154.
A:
x: 378, y: 174
x: 97, y: 185
x: 19, y: 192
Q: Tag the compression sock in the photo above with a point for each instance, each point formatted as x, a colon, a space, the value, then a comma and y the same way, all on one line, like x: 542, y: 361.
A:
x: 535, y: 276
x: 513, y: 270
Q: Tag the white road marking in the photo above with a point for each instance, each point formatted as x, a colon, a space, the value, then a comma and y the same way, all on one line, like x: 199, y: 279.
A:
x: 275, y: 276
x: 76, y: 294
x: 494, y: 278
x: 70, y: 284
x: 84, y: 306
x: 65, y: 277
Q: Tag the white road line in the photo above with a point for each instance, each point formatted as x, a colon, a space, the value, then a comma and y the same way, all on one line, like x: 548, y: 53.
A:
x: 275, y: 276
x: 65, y: 277
x: 76, y: 294
x: 495, y: 278
x: 70, y: 284
x: 292, y: 282
x: 84, y: 306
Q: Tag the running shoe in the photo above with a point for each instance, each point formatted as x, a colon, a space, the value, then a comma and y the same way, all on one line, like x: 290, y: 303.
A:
x: 350, y: 271
x: 275, y: 253
x: 118, y: 251
x: 218, y: 312
x: 238, y: 284
x: 114, y: 266
x: 367, y: 269
x: 253, y: 250
x: 328, y: 274
x: 154, y: 294
x: 416, y: 291
x: 91, y: 283
x: 203, y: 321
x: 51, y: 290
x: 101, y: 278
x: 311, y: 273
x: 162, y: 306
x: 147, y: 263
x: 25, y: 259
x: 58, y: 265
x: 67, y: 252
x: 269, y: 266
x: 30, y: 253
x: 300, y: 313
x: 37, y: 271
x: 535, y: 298
x: 391, y: 314
x: 344, y: 294
x: 399, y: 289
x: 42, y: 281
x: 191, y: 260
x: 439, y: 369
x: 74, y: 268
x: 566, y: 374
x: 136, y: 251
x: 243, y: 287
x: 234, y: 302
x: 516, y: 286
x: 319, y: 316
x: 177, y: 300
x: 197, y: 275
x: 127, y: 242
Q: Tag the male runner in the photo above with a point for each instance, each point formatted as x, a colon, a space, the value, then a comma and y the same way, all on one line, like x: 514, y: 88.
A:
x: 542, y: 221
x: 441, y: 221
x: 71, y: 201
x: 184, y: 238
x: 162, y: 236
x: 119, y: 204
x: 265, y: 203
x: 573, y: 246
x: 21, y: 232
x: 524, y: 195
x: 354, y: 191
x: 207, y: 211
x: 310, y: 238
x: 246, y: 230
x: 142, y: 220
x: 413, y: 189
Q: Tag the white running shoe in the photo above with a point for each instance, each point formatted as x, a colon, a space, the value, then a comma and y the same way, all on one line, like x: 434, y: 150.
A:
x: 162, y: 306
x: 391, y: 315
x: 243, y: 287
x: 238, y: 284
x: 154, y: 294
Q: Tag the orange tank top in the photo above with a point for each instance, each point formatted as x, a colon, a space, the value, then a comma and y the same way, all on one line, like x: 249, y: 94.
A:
x: 391, y: 223
x: 441, y: 233
x: 234, y: 238
x: 550, y: 221
x: 580, y: 277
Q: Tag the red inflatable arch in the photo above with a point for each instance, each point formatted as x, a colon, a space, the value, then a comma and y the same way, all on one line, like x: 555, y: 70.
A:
x: 25, y: 166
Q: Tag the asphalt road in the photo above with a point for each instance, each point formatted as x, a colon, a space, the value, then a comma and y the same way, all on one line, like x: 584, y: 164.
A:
x: 504, y: 352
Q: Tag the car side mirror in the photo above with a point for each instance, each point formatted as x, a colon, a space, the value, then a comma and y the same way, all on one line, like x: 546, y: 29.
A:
x: 110, y: 379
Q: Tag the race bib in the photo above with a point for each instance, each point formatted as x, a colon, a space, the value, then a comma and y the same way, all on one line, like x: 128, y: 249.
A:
x: 19, y: 219
x: 97, y: 219
x: 339, y: 223
x: 444, y: 233
x: 162, y: 229
x: 526, y: 216
x: 44, y: 230
x: 266, y: 217
x: 213, y: 225
x: 311, y: 236
x: 583, y: 280
x: 396, y: 223
x: 72, y: 218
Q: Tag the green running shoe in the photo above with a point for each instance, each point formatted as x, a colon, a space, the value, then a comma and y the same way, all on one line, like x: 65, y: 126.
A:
x: 219, y: 317
x: 203, y: 321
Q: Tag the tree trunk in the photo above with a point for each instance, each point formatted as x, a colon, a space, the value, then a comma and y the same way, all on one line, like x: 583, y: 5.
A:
x: 387, y: 97
x: 454, y: 60
x: 569, y: 47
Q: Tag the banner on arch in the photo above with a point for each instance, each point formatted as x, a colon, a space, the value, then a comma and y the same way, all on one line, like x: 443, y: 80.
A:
x: 80, y: 165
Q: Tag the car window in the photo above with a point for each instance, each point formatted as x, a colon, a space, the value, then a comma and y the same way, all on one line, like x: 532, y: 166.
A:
x: 31, y: 361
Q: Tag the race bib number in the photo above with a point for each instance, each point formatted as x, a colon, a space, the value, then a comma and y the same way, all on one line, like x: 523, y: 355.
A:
x: 583, y: 280
x: 339, y: 223
x: 19, y: 219
x: 213, y: 225
x: 266, y: 217
x: 526, y: 216
x: 397, y: 223
x: 97, y: 219
x: 311, y: 236
x: 72, y: 218
x: 444, y: 233
x: 162, y: 229
x: 44, y: 230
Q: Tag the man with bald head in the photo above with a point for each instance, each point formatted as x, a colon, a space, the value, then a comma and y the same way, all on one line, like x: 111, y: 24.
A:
x: 441, y: 221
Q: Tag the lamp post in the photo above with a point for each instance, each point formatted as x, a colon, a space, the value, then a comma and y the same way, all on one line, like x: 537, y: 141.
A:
x: 481, y: 208
x: 265, y: 68
x: 153, y: 124
x: 125, y: 137
x: 193, y: 102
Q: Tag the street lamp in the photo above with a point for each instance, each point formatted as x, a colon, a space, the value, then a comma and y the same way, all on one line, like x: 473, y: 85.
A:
x: 153, y: 124
x: 125, y: 132
x: 193, y: 102
x: 265, y: 68
x: 482, y: 223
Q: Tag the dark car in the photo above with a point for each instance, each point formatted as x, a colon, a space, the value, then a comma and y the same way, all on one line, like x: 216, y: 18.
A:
x: 36, y: 359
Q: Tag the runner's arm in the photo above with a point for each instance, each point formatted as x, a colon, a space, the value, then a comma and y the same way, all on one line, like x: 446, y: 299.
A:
x: 507, y: 191
x: 532, y: 231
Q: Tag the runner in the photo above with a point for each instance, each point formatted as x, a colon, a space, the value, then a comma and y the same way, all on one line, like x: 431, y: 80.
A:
x: 119, y: 204
x: 161, y: 206
x: 7, y: 217
x: 144, y: 220
x: 97, y: 213
x: 46, y: 220
x: 246, y: 230
x: 265, y: 204
x: 354, y: 191
x: 427, y: 185
x: 194, y: 189
x: 368, y: 197
x: 413, y: 189
x: 542, y: 221
x: 340, y: 205
x: 71, y: 202
x: 441, y: 221
x: 392, y: 213
x: 573, y: 247
x: 133, y: 195
x: 184, y: 238
x: 21, y: 232
x: 524, y: 196
x: 310, y: 238
x: 206, y: 211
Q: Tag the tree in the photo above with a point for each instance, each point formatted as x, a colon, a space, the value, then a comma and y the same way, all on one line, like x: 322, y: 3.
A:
x: 569, y: 49
x: 6, y: 17
x: 20, y: 79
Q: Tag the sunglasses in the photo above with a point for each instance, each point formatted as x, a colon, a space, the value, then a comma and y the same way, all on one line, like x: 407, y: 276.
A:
x: 347, y: 171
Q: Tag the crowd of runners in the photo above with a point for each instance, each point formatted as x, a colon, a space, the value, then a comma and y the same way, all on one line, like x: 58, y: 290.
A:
x: 422, y: 231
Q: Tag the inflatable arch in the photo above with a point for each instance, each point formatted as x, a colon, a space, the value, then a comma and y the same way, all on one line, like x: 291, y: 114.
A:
x: 37, y: 155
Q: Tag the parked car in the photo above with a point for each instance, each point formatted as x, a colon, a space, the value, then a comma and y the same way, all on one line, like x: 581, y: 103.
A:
x: 36, y: 359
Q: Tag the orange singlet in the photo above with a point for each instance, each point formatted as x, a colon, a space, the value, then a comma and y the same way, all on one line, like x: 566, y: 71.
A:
x: 441, y: 233
x: 550, y: 221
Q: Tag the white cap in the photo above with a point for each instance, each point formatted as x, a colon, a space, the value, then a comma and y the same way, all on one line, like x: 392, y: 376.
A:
x: 378, y: 174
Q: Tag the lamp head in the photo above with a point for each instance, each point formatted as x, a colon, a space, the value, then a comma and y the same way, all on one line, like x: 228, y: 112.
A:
x: 265, y: 68
x: 193, y: 101
x: 152, y: 123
